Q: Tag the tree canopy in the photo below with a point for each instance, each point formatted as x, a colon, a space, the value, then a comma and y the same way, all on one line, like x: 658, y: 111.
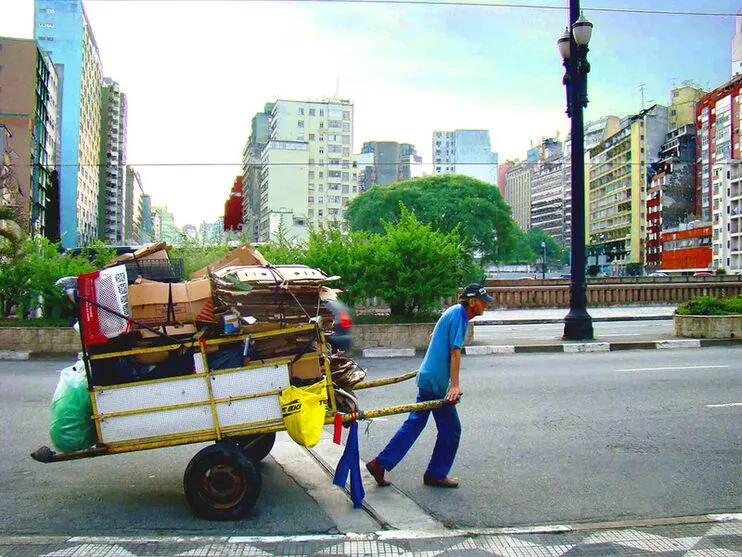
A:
x: 446, y: 203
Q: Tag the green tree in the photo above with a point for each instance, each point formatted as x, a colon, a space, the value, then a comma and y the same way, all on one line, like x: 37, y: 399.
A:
x: 352, y: 257
x: 554, y: 252
x: 523, y: 252
x: 447, y: 203
x: 417, y: 265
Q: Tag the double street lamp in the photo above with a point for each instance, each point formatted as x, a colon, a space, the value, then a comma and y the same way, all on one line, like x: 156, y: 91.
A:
x: 578, y: 325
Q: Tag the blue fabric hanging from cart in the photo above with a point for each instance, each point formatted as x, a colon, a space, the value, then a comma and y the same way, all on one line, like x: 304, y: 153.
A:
x: 350, y: 463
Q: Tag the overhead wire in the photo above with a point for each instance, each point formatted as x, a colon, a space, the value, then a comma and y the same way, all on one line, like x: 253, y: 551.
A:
x: 460, y: 3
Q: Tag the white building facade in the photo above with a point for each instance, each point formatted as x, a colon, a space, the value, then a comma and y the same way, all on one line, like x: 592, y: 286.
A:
x: 466, y: 152
x: 306, y: 176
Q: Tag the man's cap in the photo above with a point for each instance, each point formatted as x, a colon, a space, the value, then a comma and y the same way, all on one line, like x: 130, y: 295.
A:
x: 476, y: 291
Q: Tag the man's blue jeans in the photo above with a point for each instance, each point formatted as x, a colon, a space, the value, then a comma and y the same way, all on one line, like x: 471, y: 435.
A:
x: 446, y: 445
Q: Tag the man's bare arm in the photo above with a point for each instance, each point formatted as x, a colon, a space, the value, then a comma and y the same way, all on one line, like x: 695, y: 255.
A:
x: 454, y: 391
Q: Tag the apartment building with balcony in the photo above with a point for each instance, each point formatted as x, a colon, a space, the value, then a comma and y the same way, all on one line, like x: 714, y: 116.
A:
x: 134, y: 194
x: 61, y: 28
x: 260, y: 134
x: 717, y: 156
x: 306, y: 175
x: 617, y: 183
x: 671, y: 192
x: 29, y: 108
x: 729, y: 226
x: 547, y: 190
x: 112, y: 191
x: 466, y: 152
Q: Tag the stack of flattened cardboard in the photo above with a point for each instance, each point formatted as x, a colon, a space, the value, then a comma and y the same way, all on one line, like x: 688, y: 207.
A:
x: 281, y: 294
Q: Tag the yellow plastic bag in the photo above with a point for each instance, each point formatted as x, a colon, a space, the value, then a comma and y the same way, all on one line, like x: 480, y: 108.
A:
x: 303, y: 410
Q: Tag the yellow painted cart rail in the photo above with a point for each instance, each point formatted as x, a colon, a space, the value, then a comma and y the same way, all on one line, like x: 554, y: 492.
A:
x: 238, y: 409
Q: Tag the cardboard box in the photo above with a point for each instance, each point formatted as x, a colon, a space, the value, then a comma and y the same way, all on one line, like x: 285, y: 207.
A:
x: 170, y: 330
x: 161, y: 303
x: 243, y: 255
x: 307, y: 367
x: 150, y: 251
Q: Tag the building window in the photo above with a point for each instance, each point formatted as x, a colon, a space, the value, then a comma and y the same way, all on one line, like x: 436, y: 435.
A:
x: 312, y: 112
x: 300, y: 112
x: 346, y: 114
x: 300, y: 124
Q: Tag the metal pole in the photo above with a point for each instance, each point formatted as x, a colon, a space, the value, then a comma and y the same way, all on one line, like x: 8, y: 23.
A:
x: 578, y: 324
x: 543, y: 260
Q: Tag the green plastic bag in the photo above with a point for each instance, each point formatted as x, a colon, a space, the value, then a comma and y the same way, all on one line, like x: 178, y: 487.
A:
x: 70, y: 424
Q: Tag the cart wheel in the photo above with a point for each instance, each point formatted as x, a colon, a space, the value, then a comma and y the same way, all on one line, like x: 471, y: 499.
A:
x: 221, y: 482
x: 257, y: 446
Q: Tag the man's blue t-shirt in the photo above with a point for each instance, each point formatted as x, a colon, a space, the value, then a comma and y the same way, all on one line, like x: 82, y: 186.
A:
x: 449, y: 333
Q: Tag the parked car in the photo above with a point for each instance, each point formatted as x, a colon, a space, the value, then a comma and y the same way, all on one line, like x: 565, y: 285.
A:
x: 703, y: 274
x: 658, y: 274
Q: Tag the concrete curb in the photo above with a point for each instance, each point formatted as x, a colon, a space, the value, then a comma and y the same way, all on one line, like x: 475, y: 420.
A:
x: 15, y: 355
x: 588, y: 347
x: 475, y: 350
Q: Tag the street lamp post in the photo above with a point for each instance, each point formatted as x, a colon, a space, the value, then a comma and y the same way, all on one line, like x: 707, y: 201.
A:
x: 543, y: 260
x: 578, y: 325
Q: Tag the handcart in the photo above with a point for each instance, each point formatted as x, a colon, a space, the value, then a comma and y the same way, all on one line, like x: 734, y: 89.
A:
x: 237, y: 409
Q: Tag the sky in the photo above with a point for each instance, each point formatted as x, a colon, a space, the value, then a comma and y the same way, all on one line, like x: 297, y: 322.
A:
x: 196, y: 71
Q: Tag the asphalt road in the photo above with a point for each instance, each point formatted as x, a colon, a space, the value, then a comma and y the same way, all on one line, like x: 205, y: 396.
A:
x: 563, y: 438
x: 547, y: 439
x: 131, y: 493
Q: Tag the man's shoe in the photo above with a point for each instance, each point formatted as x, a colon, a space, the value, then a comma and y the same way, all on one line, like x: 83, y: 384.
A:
x: 443, y: 482
x: 377, y: 471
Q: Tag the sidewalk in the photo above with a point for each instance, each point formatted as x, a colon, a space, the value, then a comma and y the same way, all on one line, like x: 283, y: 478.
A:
x: 513, y: 331
x: 557, y: 315
x: 709, y: 535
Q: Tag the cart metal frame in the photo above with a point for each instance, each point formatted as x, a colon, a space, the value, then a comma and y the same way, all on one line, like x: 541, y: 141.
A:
x: 222, y: 481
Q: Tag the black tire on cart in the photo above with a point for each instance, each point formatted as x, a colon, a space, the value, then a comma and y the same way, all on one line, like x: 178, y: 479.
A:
x: 221, y: 482
x: 257, y: 446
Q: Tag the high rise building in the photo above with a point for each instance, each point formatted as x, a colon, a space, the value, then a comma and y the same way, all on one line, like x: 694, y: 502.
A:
x: 29, y: 108
x: 260, y: 134
x: 61, y: 27
x: 164, y: 221
x: 465, y: 152
x: 518, y: 192
x: 502, y: 170
x: 112, y: 195
x: 147, y: 225
x: 670, y: 199
x: 547, y: 190
x: 683, y: 104
x: 619, y: 173
x: 737, y: 47
x: 389, y: 162
x: 306, y: 176
x: 134, y: 193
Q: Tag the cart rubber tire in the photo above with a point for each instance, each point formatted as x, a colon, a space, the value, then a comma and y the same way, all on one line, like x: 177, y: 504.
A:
x: 257, y: 446
x: 221, y: 482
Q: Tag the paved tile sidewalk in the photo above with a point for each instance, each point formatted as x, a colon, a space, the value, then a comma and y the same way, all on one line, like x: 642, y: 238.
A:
x: 699, y: 537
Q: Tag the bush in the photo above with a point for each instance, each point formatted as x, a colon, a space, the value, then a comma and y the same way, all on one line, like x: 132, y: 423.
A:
x: 708, y: 305
x: 27, y: 277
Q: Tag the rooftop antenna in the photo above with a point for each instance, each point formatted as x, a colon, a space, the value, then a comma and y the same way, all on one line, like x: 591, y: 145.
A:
x: 642, y: 87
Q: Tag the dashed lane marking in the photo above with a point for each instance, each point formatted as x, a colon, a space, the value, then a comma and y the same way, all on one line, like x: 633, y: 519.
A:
x: 671, y: 368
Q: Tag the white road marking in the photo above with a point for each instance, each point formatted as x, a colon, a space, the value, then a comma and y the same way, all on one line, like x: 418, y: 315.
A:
x: 671, y: 368
x: 725, y: 405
